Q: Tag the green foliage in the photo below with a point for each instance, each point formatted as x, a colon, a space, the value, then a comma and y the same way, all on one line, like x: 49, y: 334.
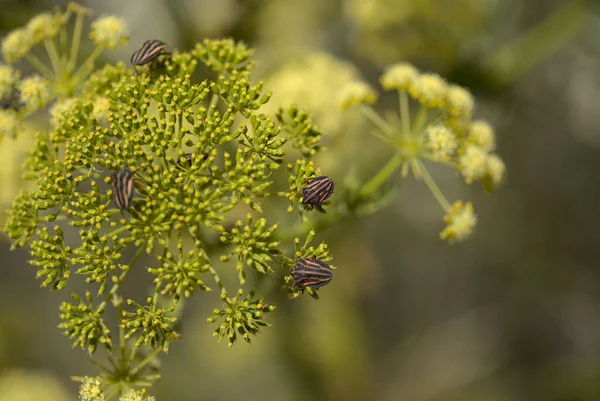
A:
x: 243, y: 316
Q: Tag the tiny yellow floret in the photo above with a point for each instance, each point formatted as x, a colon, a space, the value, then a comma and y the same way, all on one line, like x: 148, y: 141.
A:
x: 15, y: 45
x: 8, y: 78
x: 460, y: 222
x: 356, y: 92
x: 482, y: 134
x: 472, y: 163
x: 441, y: 141
x: 42, y: 26
x: 460, y: 101
x: 110, y: 32
x: 34, y: 92
x: 399, y: 76
x: 429, y: 89
x: 495, y: 169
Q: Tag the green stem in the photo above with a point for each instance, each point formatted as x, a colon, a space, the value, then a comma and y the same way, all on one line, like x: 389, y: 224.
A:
x: 122, y: 277
x: 376, y: 119
x: 87, y: 66
x: 420, y: 120
x: 76, y: 42
x: 53, y: 55
x: 45, y: 71
x: 216, y: 277
x: 214, y: 100
x: 404, y: 115
x: 437, y: 193
x: 145, y: 361
x: 382, y: 176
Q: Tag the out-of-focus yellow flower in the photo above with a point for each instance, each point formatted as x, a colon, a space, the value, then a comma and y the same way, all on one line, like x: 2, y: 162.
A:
x: 460, y: 221
x: 91, y: 390
x: 356, y: 92
x: 495, y: 169
x: 15, y: 45
x: 43, y: 26
x: 34, y: 92
x: 110, y: 32
x: 429, y: 89
x: 460, y: 102
x: 310, y: 83
x: 133, y: 395
x: 18, y: 385
x: 9, y: 121
x: 399, y: 76
x: 472, y: 163
x: 441, y: 141
x: 8, y: 78
x: 100, y: 108
x: 60, y: 109
x: 482, y: 134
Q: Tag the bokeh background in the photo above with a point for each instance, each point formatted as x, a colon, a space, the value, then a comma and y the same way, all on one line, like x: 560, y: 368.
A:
x: 511, y: 314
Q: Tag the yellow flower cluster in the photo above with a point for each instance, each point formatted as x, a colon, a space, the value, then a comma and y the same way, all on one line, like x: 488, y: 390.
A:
x: 442, y: 131
x: 35, y: 92
x: 18, y: 42
x: 356, y: 92
x: 110, y: 32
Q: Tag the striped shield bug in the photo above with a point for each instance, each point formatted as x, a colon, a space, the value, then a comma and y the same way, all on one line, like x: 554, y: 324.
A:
x: 311, y: 273
x: 149, y: 51
x: 188, y: 159
x: 317, y: 191
x: 122, y: 186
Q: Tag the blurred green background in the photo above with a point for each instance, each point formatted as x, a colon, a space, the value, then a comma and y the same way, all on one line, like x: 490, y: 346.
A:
x: 513, y: 313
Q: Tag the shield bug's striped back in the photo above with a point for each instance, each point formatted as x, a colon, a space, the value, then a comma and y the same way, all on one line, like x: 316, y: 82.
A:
x: 149, y: 50
x: 122, y: 186
x: 317, y: 191
x: 189, y: 159
x: 311, y: 273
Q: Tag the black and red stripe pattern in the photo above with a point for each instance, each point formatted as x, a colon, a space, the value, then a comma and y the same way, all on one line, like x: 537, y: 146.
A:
x: 149, y: 50
x: 311, y: 273
x: 317, y: 191
x: 122, y: 186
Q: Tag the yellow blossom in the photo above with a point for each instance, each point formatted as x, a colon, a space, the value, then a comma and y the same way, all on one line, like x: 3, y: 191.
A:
x: 15, y: 45
x: 8, y: 77
x: 42, y: 26
x: 91, y: 390
x: 133, y: 395
x: 472, y: 163
x: 100, y: 108
x: 460, y: 222
x: 399, y: 76
x: 482, y: 134
x: 109, y: 31
x: 429, y: 89
x: 60, y: 109
x: 34, y: 92
x: 460, y: 101
x: 441, y: 141
x: 356, y: 92
x: 495, y: 169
